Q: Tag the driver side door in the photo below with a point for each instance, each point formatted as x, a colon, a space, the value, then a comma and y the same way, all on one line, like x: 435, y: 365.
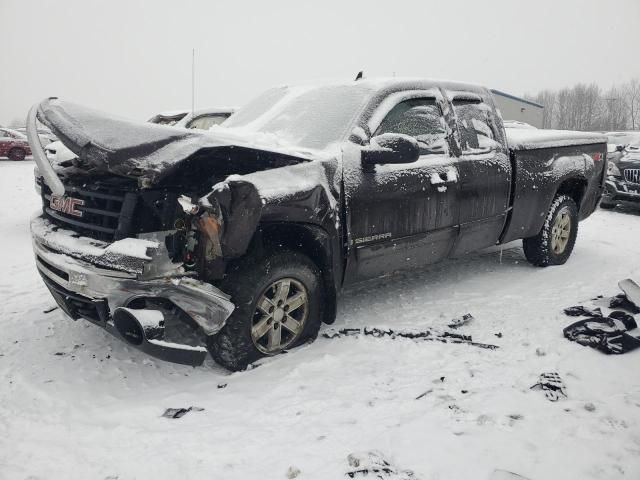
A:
x: 403, y: 215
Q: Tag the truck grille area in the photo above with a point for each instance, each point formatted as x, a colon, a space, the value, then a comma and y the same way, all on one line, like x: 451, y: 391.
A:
x: 102, y: 212
x: 78, y: 306
x: 632, y: 175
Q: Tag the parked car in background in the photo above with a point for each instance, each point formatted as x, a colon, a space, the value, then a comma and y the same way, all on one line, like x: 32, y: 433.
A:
x: 169, y: 118
x: 206, y: 118
x: 623, y: 170
x: 13, y: 144
x: 44, y: 134
x: 57, y: 152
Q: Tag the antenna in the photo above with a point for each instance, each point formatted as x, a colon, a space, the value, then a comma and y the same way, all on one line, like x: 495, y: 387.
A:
x: 193, y: 80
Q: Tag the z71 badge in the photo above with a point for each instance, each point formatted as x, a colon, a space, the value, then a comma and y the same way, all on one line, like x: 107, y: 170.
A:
x: 66, y: 205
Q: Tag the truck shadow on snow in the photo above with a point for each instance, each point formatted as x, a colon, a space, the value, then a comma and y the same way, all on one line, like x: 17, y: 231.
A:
x: 434, y: 282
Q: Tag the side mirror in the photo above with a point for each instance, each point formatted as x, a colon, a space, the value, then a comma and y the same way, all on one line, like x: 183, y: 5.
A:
x: 619, y: 148
x: 391, y: 148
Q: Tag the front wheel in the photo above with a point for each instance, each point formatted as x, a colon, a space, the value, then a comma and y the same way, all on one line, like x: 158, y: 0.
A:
x: 17, y: 154
x: 554, y: 243
x: 278, y: 302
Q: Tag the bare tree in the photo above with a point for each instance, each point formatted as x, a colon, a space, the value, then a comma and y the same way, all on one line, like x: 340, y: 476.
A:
x: 587, y: 107
x: 631, y: 95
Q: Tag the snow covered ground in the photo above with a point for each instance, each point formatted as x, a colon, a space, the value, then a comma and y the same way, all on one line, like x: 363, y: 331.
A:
x: 77, y: 404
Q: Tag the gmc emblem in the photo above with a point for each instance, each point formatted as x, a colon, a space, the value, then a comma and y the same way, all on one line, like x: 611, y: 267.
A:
x: 66, y: 205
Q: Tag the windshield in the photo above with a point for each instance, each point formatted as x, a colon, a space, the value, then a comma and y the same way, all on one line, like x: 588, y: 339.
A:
x: 312, y: 117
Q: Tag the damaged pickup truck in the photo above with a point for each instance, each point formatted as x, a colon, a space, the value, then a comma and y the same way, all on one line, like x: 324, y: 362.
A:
x: 236, y: 241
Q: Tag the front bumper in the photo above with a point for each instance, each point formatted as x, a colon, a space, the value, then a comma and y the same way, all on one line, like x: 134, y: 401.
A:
x: 618, y: 190
x: 89, y: 279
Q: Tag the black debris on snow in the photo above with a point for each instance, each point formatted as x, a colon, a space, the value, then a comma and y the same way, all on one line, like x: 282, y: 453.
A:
x: 180, y: 412
x: 552, y: 386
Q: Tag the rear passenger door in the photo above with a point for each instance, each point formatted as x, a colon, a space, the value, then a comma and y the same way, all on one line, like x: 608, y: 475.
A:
x: 403, y: 215
x: 485, y: 174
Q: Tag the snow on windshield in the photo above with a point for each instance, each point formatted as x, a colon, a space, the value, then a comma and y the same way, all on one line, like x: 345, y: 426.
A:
x: 309, y: 117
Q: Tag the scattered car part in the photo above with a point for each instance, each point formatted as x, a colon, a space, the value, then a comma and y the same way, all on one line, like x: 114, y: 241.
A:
x: 607, y: 334
x: 180, y: 412
x: 552, y: 386
x: 461, y: 321
x: 632, y: 291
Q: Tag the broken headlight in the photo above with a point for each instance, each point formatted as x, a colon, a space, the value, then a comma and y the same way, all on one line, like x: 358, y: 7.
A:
x: 202, y: 231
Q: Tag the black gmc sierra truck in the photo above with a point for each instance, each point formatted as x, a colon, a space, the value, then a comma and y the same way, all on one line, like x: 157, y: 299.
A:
x: 237, y: 240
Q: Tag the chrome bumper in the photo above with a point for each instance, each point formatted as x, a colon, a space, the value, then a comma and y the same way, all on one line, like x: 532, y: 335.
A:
x: 108, y: 276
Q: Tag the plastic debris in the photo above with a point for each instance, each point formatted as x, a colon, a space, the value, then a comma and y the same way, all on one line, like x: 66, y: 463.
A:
x: 607, y: 334
x: 460, y: 321
x: 552, y: 386
x: 373, y: 465
x: 581, y: 311
x: 621, y: 301
x: 421, y: 335
x: 424, y: 394
x: 180, y: 412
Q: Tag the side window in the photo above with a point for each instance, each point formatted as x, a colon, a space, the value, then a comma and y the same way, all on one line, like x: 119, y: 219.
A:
x: 420, y: 118
x: 474, y: 124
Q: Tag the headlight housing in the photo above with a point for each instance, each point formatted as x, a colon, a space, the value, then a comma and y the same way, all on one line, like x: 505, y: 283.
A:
x: 612, y: 170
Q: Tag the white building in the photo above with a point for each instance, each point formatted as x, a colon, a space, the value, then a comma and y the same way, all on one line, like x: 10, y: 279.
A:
x: 518, y: 109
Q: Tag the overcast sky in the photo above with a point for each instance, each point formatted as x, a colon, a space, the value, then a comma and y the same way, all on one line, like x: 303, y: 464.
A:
x: 134, y: 57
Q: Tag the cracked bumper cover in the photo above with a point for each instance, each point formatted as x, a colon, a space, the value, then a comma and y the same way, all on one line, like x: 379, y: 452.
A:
x: 109, y: 276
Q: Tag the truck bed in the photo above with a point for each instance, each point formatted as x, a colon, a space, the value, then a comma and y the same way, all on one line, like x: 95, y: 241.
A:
x: 530, y: 139
x: 547, y: 162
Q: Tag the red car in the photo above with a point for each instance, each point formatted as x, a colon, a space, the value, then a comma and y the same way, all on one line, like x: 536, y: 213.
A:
x: 13, y: 144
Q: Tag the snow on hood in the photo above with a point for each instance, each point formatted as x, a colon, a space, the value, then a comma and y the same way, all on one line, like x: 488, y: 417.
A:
x: 528, y: 139
x: 131, y: 148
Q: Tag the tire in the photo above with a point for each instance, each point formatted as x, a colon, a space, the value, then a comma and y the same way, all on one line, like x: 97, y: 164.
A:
x: 607, y: 206
x: 554, y: 243
x: 17, y: 154
x: 252, y: 280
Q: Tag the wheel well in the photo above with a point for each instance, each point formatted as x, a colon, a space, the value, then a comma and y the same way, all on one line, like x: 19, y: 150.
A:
x: 574, y: 188
x: 310, y: 240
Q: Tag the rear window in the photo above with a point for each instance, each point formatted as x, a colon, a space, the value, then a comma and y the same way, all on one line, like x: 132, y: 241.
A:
x: 474, y: 124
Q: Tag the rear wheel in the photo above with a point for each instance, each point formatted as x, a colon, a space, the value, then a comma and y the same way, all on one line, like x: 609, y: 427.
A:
x: 17, y: 154
x: 554, y: 243
x: 278, y: 306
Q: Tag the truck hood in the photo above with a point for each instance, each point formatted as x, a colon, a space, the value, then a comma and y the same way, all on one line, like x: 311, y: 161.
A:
x: 103, y: 142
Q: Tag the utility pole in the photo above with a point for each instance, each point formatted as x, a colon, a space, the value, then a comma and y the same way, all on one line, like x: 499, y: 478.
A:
x: 193, y: 80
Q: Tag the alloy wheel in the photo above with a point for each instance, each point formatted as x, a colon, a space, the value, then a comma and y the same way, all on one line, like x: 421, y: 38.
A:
x: 561, y: 231
x: 280, y: 315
